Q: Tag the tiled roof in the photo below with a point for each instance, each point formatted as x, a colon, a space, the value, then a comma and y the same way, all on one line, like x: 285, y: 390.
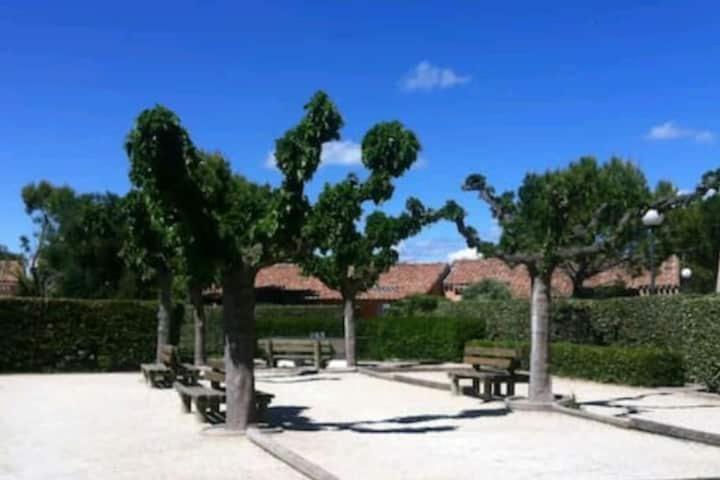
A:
x: 402, y: 280
x: 466, y: 272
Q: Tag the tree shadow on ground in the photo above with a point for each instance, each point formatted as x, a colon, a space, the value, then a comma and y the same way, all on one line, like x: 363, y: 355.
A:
x: 291, y: 418
x: 282, y: 380
x: 635, y: 409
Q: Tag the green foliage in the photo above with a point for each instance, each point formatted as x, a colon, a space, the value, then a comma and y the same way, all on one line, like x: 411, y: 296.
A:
x: 642, y: 366
x: 693, y: 233
x: 343, y: 256
x: 75, y: 335
x: 77, y: 242
x: 701, y: 340
x: 413, y: 305
x: 419, y: 338
x: 271, y: 321
x: 487, y: 289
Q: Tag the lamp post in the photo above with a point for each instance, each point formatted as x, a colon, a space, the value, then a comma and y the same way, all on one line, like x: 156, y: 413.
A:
x: 652, y: 219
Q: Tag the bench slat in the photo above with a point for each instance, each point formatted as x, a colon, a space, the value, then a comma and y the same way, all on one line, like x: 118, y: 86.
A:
x: 491, y: 352
x: 501, y: 363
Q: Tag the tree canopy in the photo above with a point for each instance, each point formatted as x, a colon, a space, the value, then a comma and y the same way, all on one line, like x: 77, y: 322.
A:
x: 347, y: 256
x: 547, y: 224
x: 78, y: 237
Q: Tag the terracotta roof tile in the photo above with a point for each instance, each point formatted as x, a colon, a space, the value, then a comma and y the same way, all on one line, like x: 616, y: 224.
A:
x: 402, y: 280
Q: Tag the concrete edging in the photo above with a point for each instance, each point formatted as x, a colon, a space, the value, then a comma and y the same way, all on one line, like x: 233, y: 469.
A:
x: 639, y: 424
x: 419, y: 382
x: 287, y: 456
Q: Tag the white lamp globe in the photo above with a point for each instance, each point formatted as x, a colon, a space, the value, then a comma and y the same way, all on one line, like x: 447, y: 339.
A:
x: 652, y: 218
x: 686, y: 273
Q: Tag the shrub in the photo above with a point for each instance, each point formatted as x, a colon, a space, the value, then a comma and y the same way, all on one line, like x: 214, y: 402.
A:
x: 75, y: 335
x: 413, y: 305
x: 487, y: 289
x: 642, y: 366
x: 420, y: 338
x: 271, y: 321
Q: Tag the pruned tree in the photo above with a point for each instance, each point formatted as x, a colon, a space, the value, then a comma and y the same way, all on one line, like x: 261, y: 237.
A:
x: 345, y: 256
x: 543, y: 228
x: 242, y: 227
x: 152, y: 249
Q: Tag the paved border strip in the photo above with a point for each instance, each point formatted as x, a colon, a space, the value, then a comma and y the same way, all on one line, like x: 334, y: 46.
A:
x: 639, y: 424
x: 393, y: 377
x: 295, y: 461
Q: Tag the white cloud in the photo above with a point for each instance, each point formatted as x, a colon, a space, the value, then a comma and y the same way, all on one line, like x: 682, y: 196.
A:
x: 464, y: 254
x: 671, y: 131
x: 338, y: 152
x: 427, y: 77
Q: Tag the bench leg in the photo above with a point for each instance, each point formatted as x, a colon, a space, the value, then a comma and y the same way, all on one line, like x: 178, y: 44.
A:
x: 476, y: 386
x: 185, y: 401
x: 510, y: 388
x: 496, y: 388
x: 455, y: 385
x: 487, y: 393
x: 200, y: 407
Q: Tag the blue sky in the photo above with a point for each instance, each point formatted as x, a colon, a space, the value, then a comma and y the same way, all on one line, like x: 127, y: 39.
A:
x: 497, y: 90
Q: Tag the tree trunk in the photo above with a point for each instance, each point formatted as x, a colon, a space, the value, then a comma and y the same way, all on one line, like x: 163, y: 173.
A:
x: 199, y: 320
x: 717, y: 280
x: 239, y: 321
x: 578, y: 281
x: 164, y: 314
x: 349, y: 316
x: 540, y: 383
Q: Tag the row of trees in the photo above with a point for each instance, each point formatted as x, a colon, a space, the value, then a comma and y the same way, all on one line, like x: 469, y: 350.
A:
x: 189, y: 221
x: 192, y: 208
x: 83, y: 246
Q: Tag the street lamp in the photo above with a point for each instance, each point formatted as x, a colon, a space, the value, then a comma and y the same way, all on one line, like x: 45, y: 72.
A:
x: 652, y: 219
x: 686, y: 273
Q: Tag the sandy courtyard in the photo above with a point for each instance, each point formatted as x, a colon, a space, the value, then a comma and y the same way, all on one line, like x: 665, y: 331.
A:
x: 360, y: 427
x: 111, y: 426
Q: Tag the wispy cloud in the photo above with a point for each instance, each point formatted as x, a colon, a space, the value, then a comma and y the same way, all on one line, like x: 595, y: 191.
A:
x: 672, y: 131
x: 340, y: 152
x: 464, y: 254
x: 427, y: 77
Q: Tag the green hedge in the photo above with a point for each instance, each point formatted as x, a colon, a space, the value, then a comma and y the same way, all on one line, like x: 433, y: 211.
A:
x: 425, y: 338
x: 75, y: 335
x: 643, y: 366
x: 271, y: 321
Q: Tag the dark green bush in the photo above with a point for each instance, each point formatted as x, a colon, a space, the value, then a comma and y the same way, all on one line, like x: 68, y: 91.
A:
x: 487, y: 289
x: 643, y: 366
x: 420, y: 338
x: 271, y: 321
x: 413, y: 305
x: 75, y: 335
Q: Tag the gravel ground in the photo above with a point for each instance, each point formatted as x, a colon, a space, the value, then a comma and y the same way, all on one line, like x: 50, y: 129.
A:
x: 360, y: 427
x: 112, y: 426
x: 667, y: 405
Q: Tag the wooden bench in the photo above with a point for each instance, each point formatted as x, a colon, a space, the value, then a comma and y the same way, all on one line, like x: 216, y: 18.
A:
x: 491, y: 367
x: 297, y: 349
x: 170, y: 370
x: 207, y: 400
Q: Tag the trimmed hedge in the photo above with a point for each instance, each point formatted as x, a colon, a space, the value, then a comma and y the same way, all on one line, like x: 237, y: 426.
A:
x: 423, y: 338
x: 75, y: 335
x: 642, y: 366
x: 83, y: 335
x: 271, y: 321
